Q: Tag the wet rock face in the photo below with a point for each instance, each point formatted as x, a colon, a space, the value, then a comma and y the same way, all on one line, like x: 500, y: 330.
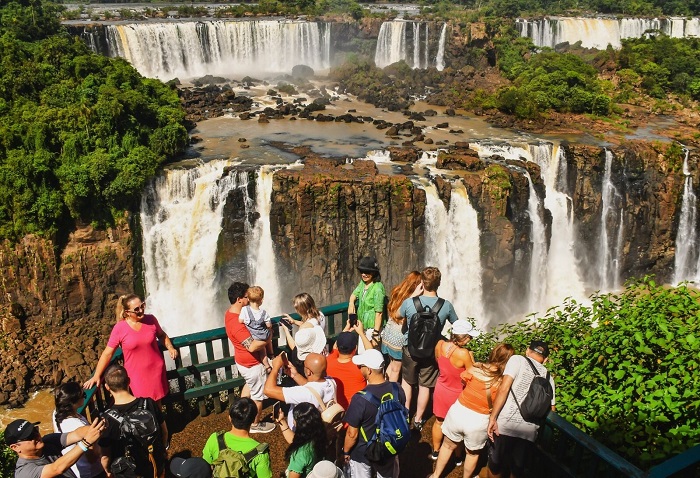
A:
x: 56, y: 311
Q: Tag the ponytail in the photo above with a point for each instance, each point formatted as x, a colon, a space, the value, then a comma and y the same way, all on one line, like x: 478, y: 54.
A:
x: 123, y: 305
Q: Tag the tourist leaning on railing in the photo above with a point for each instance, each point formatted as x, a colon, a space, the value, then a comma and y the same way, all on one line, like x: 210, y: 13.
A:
x: 136, y: 333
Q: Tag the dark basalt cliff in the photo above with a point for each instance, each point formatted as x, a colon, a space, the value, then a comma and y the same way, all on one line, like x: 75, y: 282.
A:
x: 56, y: 308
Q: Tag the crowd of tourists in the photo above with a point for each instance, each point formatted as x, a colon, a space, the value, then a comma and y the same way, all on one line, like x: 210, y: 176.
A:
x: 344, y: 410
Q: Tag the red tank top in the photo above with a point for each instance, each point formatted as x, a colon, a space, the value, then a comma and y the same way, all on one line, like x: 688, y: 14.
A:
x: 449, y: 374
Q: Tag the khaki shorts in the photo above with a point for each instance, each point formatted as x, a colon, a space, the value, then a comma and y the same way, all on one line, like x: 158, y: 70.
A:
x: 255, y: 379
x: 424, y: 372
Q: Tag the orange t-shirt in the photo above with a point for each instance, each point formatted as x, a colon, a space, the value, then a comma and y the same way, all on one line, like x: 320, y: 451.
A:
x: 347, y: 377
x: 476, y: 386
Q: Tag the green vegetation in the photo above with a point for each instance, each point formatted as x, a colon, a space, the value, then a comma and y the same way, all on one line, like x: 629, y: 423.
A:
x: 626, y: 366
x: 7, y: 458
x: 80, y: 134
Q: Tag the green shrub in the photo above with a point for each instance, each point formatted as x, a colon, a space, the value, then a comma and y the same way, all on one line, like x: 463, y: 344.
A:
x: 7, y: 458
x: 626, y: 366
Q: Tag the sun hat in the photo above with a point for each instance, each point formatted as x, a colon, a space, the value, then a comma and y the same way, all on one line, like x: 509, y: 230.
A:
x: 540, y: 347
x: 325, y: 469
x: 371, y: 358
x: 463, y: 327
x: 368, y: 264
x: 310, y: 340
x: 190, y: 468
x: 19, y: 430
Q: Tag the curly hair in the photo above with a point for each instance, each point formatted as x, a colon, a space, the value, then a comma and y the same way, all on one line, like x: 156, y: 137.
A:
x: 309, y: 429
x: 66, y: 396
x: 400, y: 293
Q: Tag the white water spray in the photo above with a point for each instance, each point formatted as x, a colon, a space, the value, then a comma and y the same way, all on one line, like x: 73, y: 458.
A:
x: 181, y: 213
x: 440, y: 60
x: 685, y: 264
x: 262, y: 260
x: 538, y: 261
x: 453, y: 246
x: 609, y: 254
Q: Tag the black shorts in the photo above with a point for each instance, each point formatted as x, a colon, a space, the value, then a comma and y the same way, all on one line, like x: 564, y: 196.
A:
x: 509, y: 453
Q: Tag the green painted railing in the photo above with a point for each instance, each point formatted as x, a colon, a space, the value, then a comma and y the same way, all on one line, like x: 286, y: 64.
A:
x: 564, y: 451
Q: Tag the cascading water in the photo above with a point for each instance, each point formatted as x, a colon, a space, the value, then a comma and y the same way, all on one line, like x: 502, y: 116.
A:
x: 262, y: 264
x: 440, y: 61
x: 686, y: 259
x: 538, y: 261
x: 181, y: 213
x: 453, y: 246
x: 608, y: 253
x: 601, y: 32
x: 229, y: 48
x: 393, y: 45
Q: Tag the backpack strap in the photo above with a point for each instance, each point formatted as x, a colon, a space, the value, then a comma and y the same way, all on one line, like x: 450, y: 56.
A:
x: 438, y: 305
x: 418, y: 305
x: 374, y: 401
x: 532, y: 366
x: 258, y: 450
x: 317, y: 396
x: 220, y: 441
x: 116, y: 415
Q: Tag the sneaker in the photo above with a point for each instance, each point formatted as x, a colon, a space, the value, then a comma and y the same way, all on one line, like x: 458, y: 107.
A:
x: 459, y: 462
x: 262, y: 427
x: 434, y: 455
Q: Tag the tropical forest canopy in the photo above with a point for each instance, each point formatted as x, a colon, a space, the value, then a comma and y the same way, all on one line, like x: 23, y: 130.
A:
x: 80, y: 134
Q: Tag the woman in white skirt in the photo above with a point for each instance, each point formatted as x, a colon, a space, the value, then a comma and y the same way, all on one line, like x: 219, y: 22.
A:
x: 468, y: 418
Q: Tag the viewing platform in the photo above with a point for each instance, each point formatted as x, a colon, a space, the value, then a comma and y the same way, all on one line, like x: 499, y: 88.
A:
x: 204, y: 380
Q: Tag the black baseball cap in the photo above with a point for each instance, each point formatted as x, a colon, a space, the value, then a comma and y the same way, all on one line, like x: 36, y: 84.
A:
x: 347, y: 342
x: 540, y: 347
x: 19, y: 430
x: 190, y: 467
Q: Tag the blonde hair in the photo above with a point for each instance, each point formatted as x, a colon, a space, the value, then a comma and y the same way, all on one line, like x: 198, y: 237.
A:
x: 400, y: 293
x: 305, y: 306
x: 255, y: 294
x: 123, y: 305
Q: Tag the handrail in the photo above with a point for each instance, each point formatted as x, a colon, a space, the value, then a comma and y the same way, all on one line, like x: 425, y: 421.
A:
x: 676, y: 464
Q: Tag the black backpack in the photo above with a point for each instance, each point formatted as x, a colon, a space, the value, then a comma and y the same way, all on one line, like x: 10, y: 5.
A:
x: 538, y: 401
x: 139, y: 432
x: 424, y: 330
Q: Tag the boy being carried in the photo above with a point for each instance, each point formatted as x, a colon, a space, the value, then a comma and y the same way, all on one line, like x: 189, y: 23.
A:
x: 257, y: 320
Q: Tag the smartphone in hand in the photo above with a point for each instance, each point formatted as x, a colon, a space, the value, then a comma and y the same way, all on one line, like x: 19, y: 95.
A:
x: 276, y: 410
x: 352, y: 318
x: 285, y: 360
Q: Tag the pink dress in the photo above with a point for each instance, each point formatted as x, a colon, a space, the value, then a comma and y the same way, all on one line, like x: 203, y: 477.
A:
x: 449, y: 383
x: 143, y: 360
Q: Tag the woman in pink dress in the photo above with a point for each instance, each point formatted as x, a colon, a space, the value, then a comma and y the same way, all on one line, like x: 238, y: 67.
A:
x: 452, y: 360
x: 138, y: 335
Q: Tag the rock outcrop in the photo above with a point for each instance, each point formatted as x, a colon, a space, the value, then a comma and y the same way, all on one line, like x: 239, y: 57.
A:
x: 56, y: 308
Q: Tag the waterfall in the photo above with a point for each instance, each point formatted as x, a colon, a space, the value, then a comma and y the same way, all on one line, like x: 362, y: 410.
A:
x: 563, y: 275
x: 685, y: 265
x: 453, y: 246
x: 538, y: 261
x: 262, y: 264
x: 602, y: 31
x: 393, y: 46
x: 609, y: 254
x: 181, y: 213
x: 228, y: 48
x: 440, y: 61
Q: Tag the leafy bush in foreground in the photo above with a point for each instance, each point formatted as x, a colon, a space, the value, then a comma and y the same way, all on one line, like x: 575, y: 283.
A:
x: 8, y: 458
x: 626, y: 367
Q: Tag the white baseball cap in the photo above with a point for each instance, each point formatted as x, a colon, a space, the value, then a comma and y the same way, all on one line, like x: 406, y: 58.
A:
x: 371, y: 358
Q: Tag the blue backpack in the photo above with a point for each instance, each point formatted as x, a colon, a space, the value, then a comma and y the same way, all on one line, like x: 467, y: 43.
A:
x: 392, y: 432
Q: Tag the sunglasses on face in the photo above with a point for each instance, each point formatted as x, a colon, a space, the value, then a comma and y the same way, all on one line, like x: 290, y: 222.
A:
x: 139, y: 310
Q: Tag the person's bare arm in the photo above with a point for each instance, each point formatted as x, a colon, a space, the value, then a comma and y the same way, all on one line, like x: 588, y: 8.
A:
x: 350, y: 441
x: 164, y: 434
x: 165, y: 340
x: 59, y: 466
x: 498, y: 403
x: 378, y: 322
x: 272, y: 390
x: 288, y: 337
x: 253, y: 345
x: 359, y: 328
x: 351, y: 303
x: 102, y: 364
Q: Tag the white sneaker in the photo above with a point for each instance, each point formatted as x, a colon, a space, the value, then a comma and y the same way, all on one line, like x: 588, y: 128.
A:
x: 262, y: 427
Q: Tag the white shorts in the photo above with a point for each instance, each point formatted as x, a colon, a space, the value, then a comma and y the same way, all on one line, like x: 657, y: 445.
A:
x: 355, y: 469
x: 255, y: 379
x: 464, y: 424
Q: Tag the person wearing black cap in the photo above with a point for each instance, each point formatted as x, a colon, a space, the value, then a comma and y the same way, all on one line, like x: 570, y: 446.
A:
x: 513, y: 436
x: 41, y: 457
x: 190, y: 468
x: 369, y: 295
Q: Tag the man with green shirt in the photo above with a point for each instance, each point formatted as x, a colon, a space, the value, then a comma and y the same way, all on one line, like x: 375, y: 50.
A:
x: 242, y: 414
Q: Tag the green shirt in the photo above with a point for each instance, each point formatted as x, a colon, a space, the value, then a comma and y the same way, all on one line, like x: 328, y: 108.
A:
x: 259, y: 466
x: 370, y: 302
x: 302, y: 460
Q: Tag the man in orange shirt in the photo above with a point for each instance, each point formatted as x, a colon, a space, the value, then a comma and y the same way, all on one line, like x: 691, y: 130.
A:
x: 346, y: 374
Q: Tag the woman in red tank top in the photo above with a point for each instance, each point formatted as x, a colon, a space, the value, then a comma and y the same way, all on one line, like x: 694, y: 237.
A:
x: 452, y: 360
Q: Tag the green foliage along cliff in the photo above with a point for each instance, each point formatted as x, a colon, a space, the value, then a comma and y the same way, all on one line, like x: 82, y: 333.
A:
x: 626, y: 367
x: 80, y: 134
